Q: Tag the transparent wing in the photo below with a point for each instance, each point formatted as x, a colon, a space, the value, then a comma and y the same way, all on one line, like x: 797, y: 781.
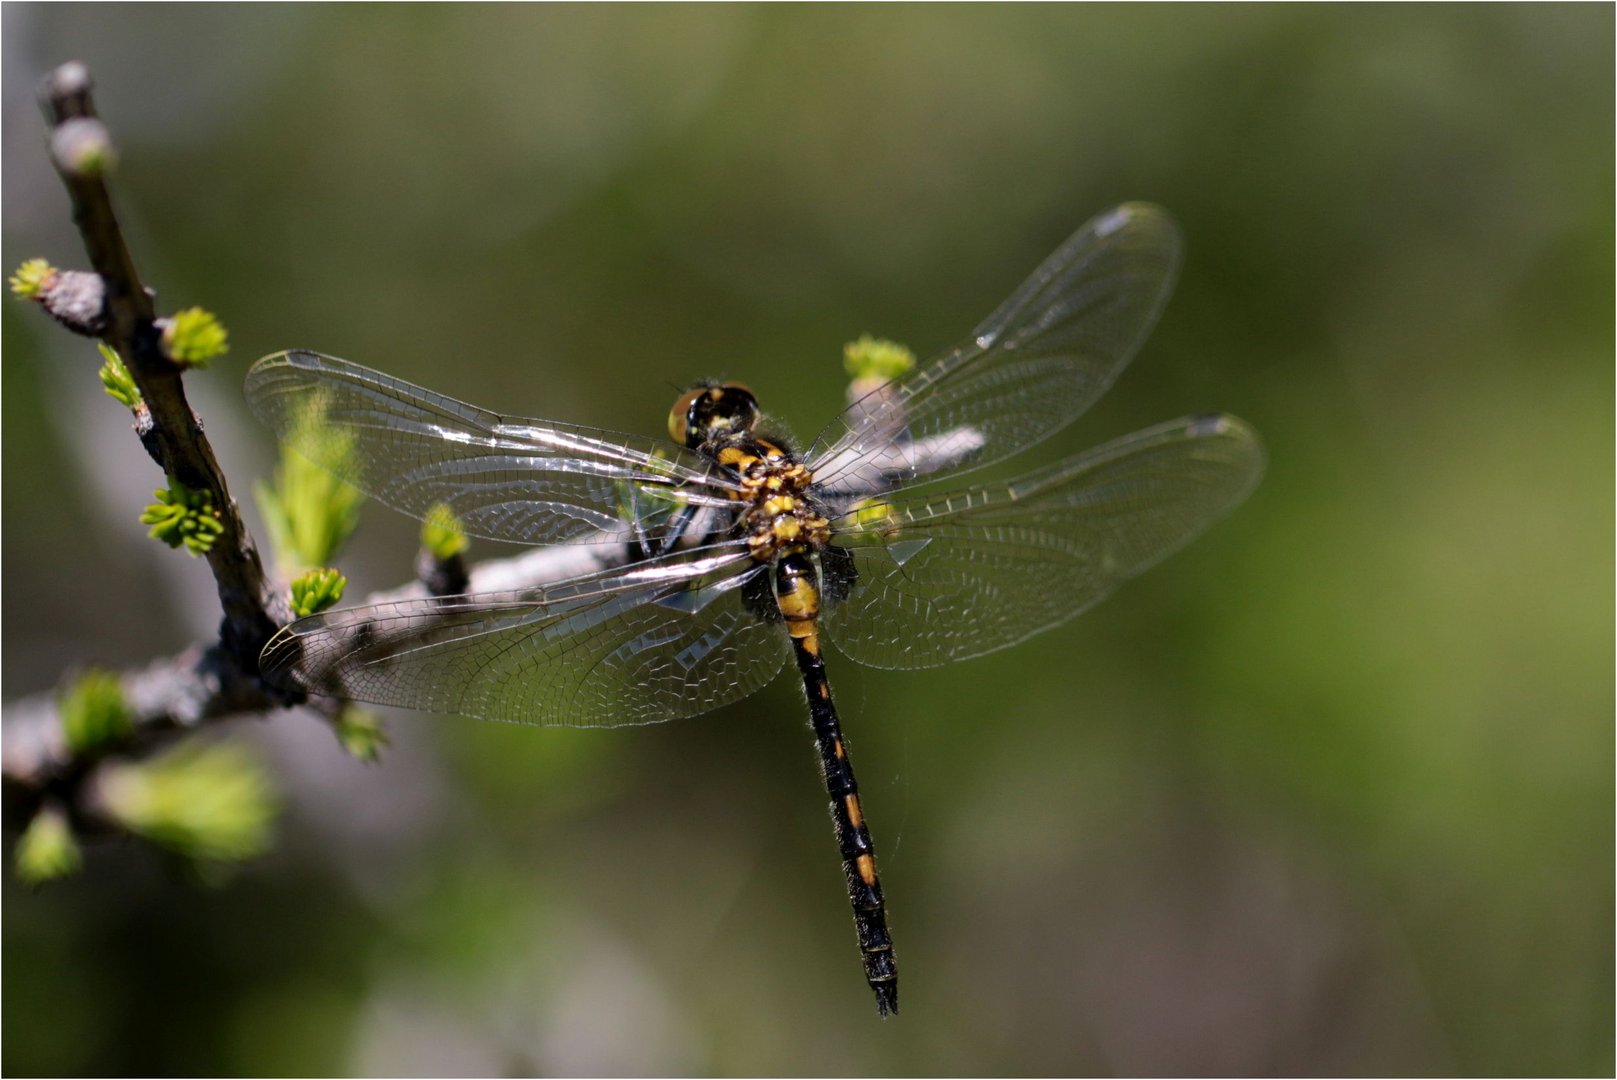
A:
x: 667, y: 638
x: 944, y: 577
x: 504, y: 478
x: 1027, y: 372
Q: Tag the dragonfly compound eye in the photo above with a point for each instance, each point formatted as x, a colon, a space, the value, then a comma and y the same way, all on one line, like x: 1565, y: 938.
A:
x: 709, y: 412
x: 679, y: 417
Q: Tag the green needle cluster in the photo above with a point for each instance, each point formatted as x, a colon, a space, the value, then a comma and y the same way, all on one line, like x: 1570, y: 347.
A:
x: 876, y: 358
x: 315, y: 590
x: 194, y: 337
x: 183, y: 516
x: 115, y: 378
x: 30, y: 278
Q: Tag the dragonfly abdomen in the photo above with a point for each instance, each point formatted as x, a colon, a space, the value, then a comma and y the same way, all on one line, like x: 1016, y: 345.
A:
x: 797, y: 596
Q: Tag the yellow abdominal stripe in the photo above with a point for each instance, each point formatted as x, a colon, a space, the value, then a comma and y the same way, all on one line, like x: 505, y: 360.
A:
x: 801, y: 603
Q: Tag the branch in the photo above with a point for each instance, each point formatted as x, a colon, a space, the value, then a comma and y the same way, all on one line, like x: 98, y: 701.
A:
x: 165, y: 698
x: 183, y: 692
x: 82, y: 151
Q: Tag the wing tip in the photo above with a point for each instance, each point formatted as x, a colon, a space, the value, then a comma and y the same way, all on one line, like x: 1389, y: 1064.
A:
x: 277, y: 364
x: 1223, y: 425
x: 1204, y: 425
x: 1135, y: 214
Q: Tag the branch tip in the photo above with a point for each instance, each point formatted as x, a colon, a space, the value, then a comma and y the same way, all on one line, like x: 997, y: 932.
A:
x: 65, y: 93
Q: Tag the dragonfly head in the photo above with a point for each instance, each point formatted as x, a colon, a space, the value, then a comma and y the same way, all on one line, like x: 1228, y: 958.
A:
x: 712, y: 411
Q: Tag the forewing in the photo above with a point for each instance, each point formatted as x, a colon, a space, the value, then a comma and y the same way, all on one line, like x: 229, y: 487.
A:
x: 941, y: 578
x: 668, y: 638
x: 1028, y: 371
x: 503, y: 478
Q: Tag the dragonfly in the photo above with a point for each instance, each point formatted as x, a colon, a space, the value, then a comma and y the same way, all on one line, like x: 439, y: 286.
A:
x: 712, y: 558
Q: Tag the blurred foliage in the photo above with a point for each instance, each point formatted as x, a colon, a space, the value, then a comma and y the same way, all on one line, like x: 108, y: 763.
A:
x: 441, y: 533
x: 47, y: 850
x: 1330, y: 792
x: 308, y: 512
x: 211, y: 804
x: 94, y: 713
x: 361, y: 733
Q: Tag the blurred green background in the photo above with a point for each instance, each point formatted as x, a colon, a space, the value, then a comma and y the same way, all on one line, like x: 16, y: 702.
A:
x: 1330, y: 792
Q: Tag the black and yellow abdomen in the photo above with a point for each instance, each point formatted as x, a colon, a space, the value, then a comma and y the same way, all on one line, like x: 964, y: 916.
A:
x: 798, y: 588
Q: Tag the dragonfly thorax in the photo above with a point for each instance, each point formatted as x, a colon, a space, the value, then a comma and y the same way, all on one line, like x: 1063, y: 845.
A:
x: 782, y: 517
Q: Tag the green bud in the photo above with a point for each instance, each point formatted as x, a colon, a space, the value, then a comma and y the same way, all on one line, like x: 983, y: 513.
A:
x: 361, y: 733
x: 316, y: 590
x: 183, y: 516
x: 31, y: 279
x: 441, y: 533
x: 193, y: 337
x: 115, y: 377
x: 94, y: 713
x: 874, y: 358
x: 210, y: 803
x: 47, y: 849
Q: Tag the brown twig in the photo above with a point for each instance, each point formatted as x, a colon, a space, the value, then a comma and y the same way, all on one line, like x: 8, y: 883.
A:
x: 82, y: 152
